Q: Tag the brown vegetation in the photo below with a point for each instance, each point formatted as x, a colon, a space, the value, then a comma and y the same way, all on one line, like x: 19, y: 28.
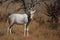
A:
x: 39, y: 28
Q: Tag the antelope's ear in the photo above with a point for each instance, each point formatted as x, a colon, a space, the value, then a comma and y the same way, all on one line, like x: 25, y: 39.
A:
x: 34, y: 11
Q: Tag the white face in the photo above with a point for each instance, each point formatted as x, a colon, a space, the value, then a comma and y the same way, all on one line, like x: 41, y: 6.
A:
x: 32, y: 13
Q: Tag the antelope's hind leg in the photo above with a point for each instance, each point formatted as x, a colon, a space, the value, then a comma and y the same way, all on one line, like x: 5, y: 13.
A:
x: 9, y: 27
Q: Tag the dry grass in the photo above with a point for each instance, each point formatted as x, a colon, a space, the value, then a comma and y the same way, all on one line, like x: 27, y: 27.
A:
x: 36, y: 32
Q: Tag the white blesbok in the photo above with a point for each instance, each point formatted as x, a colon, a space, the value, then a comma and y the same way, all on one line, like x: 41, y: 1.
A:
x: 23, y: 19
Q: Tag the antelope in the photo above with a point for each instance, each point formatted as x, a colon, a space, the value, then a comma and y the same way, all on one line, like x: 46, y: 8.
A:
x: 22, y: 19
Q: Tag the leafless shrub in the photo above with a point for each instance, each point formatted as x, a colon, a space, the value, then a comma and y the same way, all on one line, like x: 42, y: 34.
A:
x: 53, y: 11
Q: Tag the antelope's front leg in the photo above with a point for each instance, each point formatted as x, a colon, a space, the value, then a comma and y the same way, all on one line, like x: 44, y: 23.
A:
x: 25, y: 29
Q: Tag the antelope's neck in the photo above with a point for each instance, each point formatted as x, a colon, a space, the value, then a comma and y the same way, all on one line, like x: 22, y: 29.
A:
x: 29, y: 17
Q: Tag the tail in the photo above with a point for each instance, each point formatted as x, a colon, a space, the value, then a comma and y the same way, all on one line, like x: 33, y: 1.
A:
x: 7, y: 16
